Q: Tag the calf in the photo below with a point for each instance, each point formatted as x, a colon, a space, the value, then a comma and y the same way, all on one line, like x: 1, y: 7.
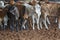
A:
x: 34, y: 12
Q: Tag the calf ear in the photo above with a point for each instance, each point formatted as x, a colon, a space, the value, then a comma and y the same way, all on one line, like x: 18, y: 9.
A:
x: 47, y: 2
x: 39, y: 3
x: 30, y: 3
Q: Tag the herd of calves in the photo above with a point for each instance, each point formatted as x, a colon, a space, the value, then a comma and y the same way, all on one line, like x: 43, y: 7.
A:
x: 25, y: 16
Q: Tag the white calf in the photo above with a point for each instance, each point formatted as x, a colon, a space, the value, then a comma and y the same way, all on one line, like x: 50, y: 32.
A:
x: 34, y: 12
x: 36, y: 15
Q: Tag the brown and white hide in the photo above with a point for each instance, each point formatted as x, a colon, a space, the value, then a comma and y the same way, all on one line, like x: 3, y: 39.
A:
x: 48, y: 9
x: 22, y: 14
x: 58, y: 15
x: 2, y: 15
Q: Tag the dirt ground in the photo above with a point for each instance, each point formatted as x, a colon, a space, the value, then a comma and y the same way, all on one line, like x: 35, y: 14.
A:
x: 52, y: 34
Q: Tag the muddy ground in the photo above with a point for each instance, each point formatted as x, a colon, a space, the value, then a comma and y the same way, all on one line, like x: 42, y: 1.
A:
x: 52, y: 34
x: 43, y: 34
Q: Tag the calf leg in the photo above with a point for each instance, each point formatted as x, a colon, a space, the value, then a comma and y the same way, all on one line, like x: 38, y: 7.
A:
x: 21, y: 23
x: 5, y: 22
x: 24, y: 23
x: 12, y: 24
x: 47, y: 20
x: 23, y: 26
x: 1, y: 23
x: 1, y: 26
x: 44, y: 21
x: 56, y: 20
x: 12, y: 28
x: 59, y: 23
x: 38, y: 24
x: 16, y: 25
x: 41, y: 24
x: 33, y: 22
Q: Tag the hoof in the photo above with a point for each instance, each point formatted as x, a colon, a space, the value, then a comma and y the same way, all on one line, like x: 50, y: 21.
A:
x: 26, y: 27
x: 33, y: 28
x: 38, y: 28
x: 47, y: 28
x: 21, y: 28
x: 41, y: 27
x: 59, y: 27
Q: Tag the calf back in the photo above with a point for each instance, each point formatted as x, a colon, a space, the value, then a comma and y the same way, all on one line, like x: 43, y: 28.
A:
x: 21, y: 9
x: 2, y: 13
